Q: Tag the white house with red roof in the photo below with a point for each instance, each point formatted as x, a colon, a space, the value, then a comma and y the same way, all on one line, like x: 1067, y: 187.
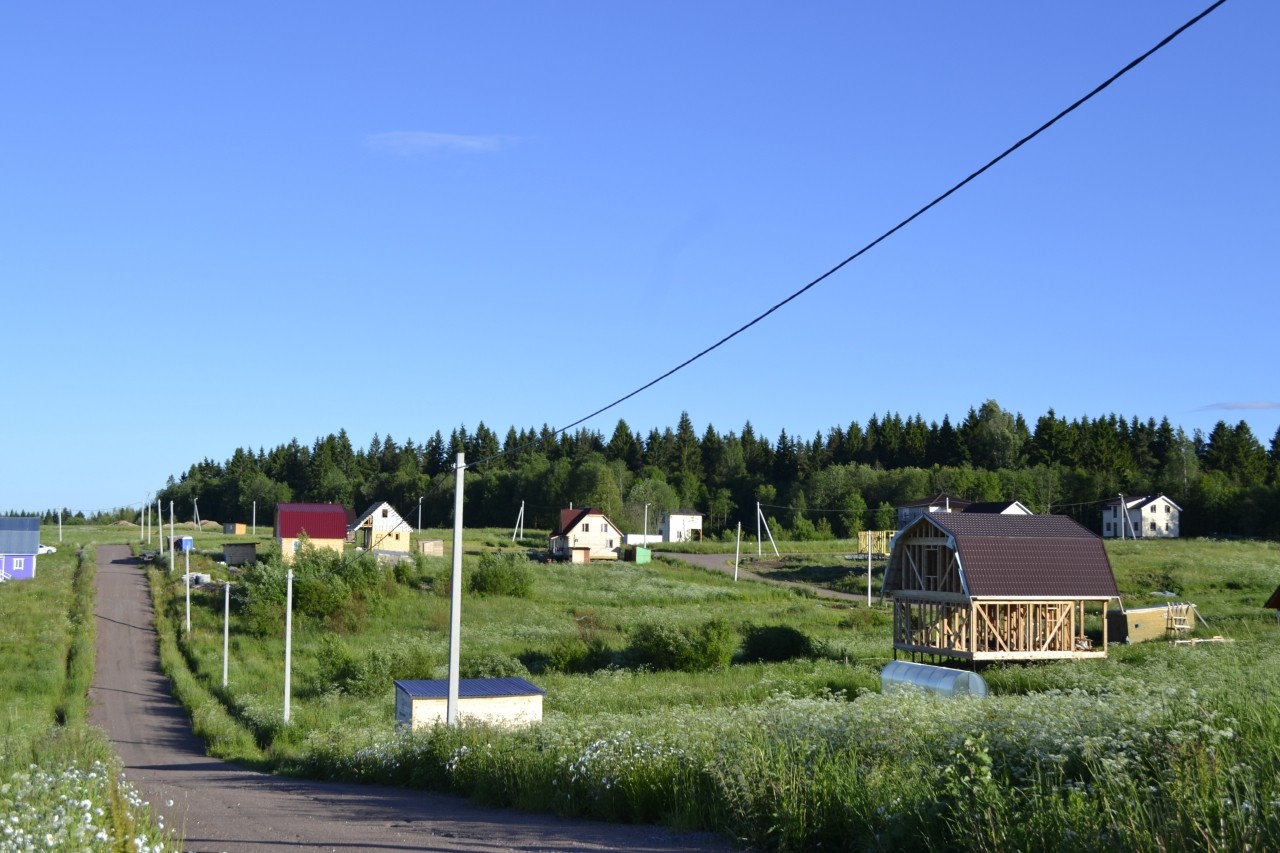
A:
x: 322, y: 525
x: 584, y: 535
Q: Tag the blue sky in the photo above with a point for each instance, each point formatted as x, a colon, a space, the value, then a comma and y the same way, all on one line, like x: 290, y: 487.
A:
x: 235, y: 224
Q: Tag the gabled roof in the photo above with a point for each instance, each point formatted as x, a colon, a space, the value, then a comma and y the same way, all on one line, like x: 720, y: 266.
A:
x: 570, y: 518
x: 369, y: 513
x: 1137, y: 502
x: 319, y: 521
x: 999, y: 507
x: 1036, y: 556
x: 19, y: 535
x: 469, y: 688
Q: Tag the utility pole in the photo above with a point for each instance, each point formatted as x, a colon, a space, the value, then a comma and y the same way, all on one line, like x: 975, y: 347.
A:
x: 455, y: 598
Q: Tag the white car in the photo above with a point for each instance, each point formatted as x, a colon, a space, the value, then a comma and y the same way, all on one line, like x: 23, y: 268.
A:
x: 46, y: 549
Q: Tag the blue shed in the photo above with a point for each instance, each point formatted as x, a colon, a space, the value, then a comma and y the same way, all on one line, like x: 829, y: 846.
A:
x: 19, y: 544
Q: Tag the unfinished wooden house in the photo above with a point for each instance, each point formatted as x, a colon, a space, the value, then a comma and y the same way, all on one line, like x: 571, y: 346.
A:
x: 981, y: 587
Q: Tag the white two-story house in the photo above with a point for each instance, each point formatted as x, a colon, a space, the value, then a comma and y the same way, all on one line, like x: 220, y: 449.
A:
x: 584, y: 535
x: 1146, y: 517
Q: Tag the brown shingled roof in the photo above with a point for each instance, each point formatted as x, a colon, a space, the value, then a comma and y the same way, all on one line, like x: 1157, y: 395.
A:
x: 1042, y: 556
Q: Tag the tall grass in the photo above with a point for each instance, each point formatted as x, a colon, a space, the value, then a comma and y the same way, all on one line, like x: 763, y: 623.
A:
x: 60, y: 786
x: 1156, y: 747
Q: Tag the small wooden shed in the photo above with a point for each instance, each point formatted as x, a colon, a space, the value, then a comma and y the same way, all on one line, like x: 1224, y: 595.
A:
x: 431, y: 547
x: 997, y: 587
x: 502, y: 701
x: 1159, y: 622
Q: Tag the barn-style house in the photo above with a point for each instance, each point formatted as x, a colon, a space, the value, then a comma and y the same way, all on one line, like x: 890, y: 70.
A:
x: 997, y: 587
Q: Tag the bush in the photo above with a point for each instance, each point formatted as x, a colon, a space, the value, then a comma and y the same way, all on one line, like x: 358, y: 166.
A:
x: 502, y: 574
x: 775, y: 643
x: 705, y: 647
x: 491, y: 665
x: 345, y: 671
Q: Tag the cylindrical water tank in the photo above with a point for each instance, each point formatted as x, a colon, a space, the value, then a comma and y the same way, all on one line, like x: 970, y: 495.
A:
x: 935, y: 679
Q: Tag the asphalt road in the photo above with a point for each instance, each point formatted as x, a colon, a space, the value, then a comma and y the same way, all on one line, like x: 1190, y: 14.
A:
x: 217, y: 806
x: 724, y: 563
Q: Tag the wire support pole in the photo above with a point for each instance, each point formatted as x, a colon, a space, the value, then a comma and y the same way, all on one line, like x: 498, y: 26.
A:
x: 455, y: 597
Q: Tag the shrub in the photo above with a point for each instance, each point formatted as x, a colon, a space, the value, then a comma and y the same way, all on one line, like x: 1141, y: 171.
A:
x: 502, y: 574
x: 705, y: 647
x: 345, y: 671
x: 491, y: 665
x: 775, y: 643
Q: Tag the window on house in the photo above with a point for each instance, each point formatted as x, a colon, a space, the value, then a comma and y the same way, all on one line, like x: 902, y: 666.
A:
x: 586, y: 528
x: 604, y: 528
x: 609, y: 543
x: 1167, y: 508
x: 1108, y: 527
x: 1166, y: 527
x: 385, y: 512
x: 1153, y: 526
x: 18, y: 563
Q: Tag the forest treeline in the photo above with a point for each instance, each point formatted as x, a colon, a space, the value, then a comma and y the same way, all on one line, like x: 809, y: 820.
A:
x: 830, y: 485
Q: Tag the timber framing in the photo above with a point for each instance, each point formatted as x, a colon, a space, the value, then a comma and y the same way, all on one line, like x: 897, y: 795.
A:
x: 998, y: 588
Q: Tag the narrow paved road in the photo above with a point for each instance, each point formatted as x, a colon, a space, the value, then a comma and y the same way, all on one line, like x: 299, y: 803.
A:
x: 216, y: 806
x: 724, y: 563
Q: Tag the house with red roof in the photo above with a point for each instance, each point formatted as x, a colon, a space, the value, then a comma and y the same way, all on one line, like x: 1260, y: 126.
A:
x: 322, y: 525
x: 584, y: 535
x: 986, y: 586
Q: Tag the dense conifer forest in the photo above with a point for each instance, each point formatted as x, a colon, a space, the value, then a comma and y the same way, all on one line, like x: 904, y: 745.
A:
x: 829, y: 485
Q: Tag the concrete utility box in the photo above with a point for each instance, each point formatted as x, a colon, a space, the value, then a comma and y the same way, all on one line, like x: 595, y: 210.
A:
x: 233, y: 529
x: 502, y: 701
x: 240, y: 553
x: 431, y: 547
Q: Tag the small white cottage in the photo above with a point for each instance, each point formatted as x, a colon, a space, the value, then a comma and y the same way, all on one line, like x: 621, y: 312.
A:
x: 381, y: 529
x: 681, y: 525
x: 584, y: 535
x: 499, y: 701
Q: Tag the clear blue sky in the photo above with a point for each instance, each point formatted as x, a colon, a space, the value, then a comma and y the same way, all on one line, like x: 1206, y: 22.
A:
x: 230, y: 225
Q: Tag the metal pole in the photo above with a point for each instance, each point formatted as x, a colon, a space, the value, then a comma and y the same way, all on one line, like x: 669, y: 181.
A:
x: 186, y: 556
x: 759, y: 541
x: 868, y: 568
x: 288, y: 640
x: 59, y: 526
x: 420, y: 513
x: 255, y: 518
x: 226, y: 627
x: 737, y: 550
x: 455, y: 598
x: 646, y: 525
x: 171, y: 535
x: 195, y: 510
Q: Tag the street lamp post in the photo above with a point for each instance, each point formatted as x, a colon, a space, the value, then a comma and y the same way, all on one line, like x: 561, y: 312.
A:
x: 419, y: 513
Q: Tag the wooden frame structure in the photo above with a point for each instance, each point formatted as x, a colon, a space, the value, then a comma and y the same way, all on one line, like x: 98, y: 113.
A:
x: 994, y: 587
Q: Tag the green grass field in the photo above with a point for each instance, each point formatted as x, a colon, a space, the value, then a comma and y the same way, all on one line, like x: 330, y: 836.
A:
x: 1157, y: 747
x: 60, y: 787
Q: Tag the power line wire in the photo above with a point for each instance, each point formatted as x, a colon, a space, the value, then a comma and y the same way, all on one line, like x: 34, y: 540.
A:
x: 905, y: 222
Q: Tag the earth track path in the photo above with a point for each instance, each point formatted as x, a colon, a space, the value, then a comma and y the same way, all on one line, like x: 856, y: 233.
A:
x: 214, y: 805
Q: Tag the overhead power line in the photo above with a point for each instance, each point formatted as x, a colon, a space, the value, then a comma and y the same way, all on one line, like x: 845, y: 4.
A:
x: 896, y: 228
